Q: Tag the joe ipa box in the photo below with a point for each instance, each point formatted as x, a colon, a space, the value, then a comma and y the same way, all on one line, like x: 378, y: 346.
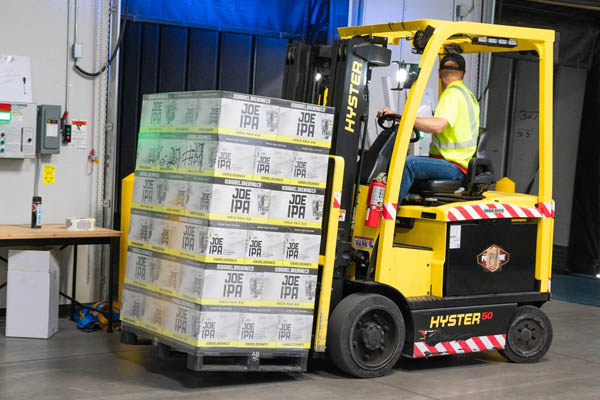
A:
x: 133, y: 307
x: 183, y: 321
x: 148, y: 152
x: 188, y: 237
x: 140, y: 266
x: 272, y: 164
x: 191, y: 281
x: 306, y: 123
x: 141, y: 227
x: 225, y: 244
x: 229, y: 159
x: 231, y: 285
x: 258, y: 329
x: 264, y: 247
x: 165, y: 230
x: 239, y: 200
x: 156, y: 312
x: 297, y: 206
x: 166, y: 275
x: 146, y: 188
x: 174, y: 193
x: 301, y: 247
x: 219, y: 327
x: 294, y: 329
x: 309, y: 169
x: 248, y: 113
x: 291, y: 287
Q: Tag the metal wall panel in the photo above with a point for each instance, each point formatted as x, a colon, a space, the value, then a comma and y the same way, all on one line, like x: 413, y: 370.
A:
x: 149, y: 62
x: 269, y: 63
x: 203, y: 64
x: 236, y: 62
x: 172, y: 59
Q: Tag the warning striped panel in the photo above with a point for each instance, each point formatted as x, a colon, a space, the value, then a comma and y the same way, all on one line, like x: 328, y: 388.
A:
x: 471, y: 345
x: 389, y: 210
x: 337, y: 199
x: 469, y: 212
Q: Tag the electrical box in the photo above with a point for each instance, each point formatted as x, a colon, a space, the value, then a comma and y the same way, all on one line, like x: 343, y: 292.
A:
x: 17, y: 130
x: 48, y: 129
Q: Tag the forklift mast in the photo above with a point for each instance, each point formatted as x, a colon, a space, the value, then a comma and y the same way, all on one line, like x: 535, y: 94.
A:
x: 338, y: 76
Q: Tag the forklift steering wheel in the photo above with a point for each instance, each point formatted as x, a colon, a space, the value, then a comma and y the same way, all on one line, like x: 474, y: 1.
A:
x: 396, y: 118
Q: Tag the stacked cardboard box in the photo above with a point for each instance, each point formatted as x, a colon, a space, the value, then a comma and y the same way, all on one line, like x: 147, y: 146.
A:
x: 226, y: 220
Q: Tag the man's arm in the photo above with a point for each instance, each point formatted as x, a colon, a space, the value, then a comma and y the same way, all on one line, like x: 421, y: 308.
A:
x: 431, y: 124
x: 424, y: 124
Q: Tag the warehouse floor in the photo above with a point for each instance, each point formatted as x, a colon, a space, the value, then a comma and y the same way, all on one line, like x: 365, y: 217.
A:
x: 76, y: 365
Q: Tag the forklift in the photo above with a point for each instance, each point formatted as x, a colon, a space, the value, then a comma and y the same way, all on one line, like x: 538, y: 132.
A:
x: 462, y: 268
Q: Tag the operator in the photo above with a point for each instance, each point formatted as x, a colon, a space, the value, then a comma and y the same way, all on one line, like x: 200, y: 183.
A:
x: 455, y: 127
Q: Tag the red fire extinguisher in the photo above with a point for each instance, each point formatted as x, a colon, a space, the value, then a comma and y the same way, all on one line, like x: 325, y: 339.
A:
x: 374, y: 203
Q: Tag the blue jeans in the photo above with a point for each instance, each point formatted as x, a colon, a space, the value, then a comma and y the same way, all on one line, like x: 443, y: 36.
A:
x: 418, y: 168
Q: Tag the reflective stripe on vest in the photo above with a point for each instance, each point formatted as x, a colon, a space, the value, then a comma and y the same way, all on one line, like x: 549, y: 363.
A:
x: 435, y: 141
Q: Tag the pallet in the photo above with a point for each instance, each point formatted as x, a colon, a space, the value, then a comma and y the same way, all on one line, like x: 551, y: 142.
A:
x: 243, y: 360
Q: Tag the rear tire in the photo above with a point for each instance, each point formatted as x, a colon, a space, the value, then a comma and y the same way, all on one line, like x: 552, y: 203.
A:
x: 529, y: 335
x: 365, y: 335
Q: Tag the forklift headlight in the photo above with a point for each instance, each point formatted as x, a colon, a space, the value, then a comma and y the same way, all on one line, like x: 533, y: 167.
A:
x: 401, y: 76
x: 406, y: 75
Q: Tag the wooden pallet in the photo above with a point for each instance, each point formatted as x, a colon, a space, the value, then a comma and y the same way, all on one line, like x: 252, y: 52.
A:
x: 220, y: 359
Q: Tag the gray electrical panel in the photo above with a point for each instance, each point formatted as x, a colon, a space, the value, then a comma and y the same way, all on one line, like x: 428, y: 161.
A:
x: 48, y: 129
x: 17, y: 130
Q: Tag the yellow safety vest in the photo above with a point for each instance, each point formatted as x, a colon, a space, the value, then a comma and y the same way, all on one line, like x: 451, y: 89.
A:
x: 458, y: 142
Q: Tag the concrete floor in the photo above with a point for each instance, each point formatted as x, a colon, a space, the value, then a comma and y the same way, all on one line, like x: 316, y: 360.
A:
x: 76, y: 365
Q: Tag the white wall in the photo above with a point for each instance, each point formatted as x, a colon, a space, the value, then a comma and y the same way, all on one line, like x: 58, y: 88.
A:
x: 38, y: 28
x: 383, y: 11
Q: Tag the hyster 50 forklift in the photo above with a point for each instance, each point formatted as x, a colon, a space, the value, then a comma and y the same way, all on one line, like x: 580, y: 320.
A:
x: 463, y: 270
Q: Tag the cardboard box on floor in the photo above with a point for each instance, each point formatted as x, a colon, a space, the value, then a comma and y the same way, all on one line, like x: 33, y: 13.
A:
x: 32, y: 293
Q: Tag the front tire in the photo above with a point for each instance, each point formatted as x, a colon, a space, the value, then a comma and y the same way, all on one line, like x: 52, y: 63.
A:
x: 529, y: 335
x: 365, y: 335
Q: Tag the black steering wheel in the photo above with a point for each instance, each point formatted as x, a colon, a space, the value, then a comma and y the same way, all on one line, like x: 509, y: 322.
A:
x: 396, y: 118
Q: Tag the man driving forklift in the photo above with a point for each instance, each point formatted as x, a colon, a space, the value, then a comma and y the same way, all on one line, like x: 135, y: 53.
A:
x: 455, y: 127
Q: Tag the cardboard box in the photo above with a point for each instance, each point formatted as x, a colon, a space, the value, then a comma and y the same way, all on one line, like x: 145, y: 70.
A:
x: 297, y: 206
x: 258, y: 329
x: 134, y: 305
x: 301, y: 120
x: 290, y: 285
x: 301, y: 248
x: 264, y: 245
x: 272, y: 164
x: 310, y: 167
x: 294, y: 330
x: 219, y: 326
x: 230, y: 283
x: 32, y: 293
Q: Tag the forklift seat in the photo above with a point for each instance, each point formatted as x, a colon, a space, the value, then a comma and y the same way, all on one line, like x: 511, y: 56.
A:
x: 377, y: 158
x: 479, y: 177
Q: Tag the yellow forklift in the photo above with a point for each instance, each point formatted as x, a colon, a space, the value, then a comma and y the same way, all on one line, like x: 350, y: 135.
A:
x: 465, y: 269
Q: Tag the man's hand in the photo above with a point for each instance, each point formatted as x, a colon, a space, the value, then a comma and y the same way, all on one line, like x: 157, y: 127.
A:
x: 383, y: 111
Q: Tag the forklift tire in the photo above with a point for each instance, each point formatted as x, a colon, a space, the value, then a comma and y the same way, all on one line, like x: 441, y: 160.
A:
x: 365, y: 335
x: 529, y: 335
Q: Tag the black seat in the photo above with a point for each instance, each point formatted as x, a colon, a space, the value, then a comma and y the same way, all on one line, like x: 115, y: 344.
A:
x: 479, y: 177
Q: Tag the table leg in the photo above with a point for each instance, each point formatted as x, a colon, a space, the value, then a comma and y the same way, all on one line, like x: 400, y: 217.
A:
x: 113, y: 266
x: 74, y: 283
